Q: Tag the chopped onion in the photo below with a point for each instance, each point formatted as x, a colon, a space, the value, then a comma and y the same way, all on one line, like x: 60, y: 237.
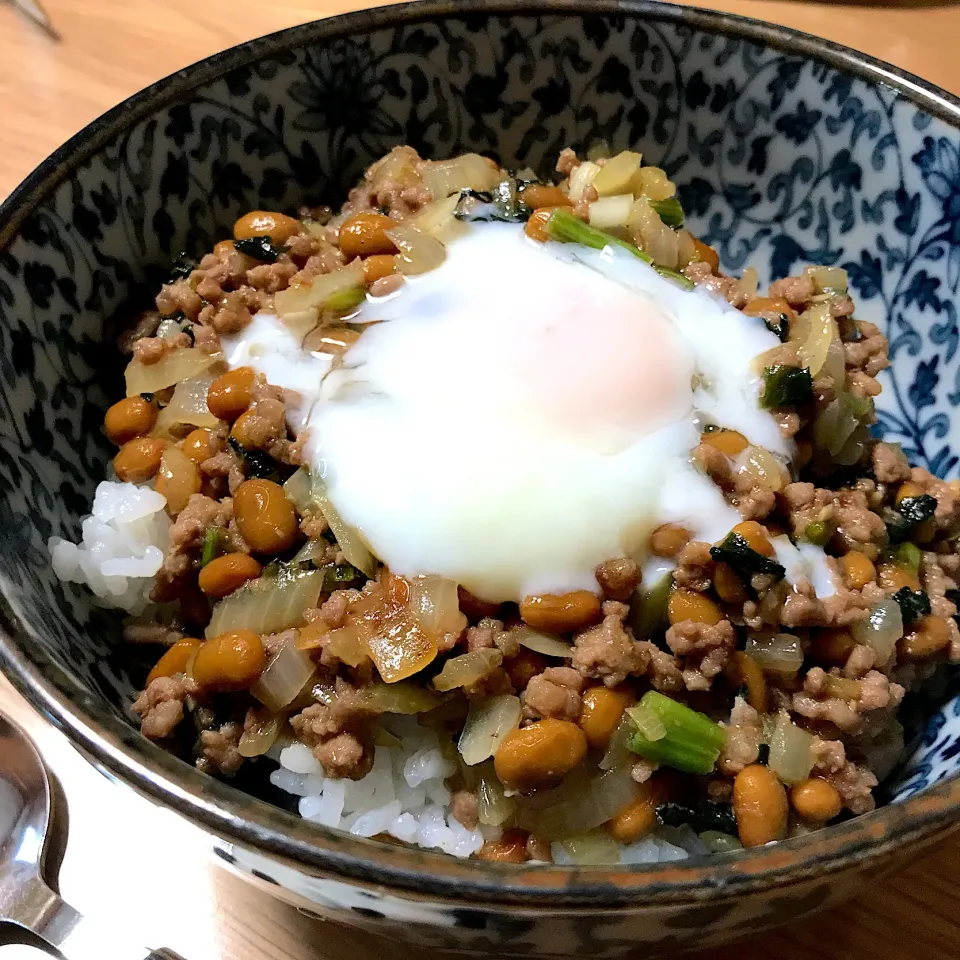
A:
x: 618, y: 752
x: 652, y: 235
x: 285, y: 676
x: 828, y: 279
x: 592, y: 849
x: 310, y: 551
x: 466, y: 669
x: 545, y: 643
x: 178, y: 479
x: 818, y: 330
x: 469, y: 171
x: 184, y: 363
x: 169, y: 329
x: 881, y: 629
x: 611, y: 211
x: 835, y: 366
x: 396, y: 169
x: 256, y: 741
x: 763, y: 467
x: 615, y: 175
x: 419, y: 252
x: 686, y: 248
x: 853, y: 450
x: 487, y: 723
x: 346, y: 645
x: 576, y: 807
x: 348, y: 539
x: 791, y: 751
x: 313, y: 295
x: 382, y: 737
x: 187, y: 405
x: 436, y: 605
x: 404, y: 697
x: 720, y: 842
x: 267, y: 604
x: 834, y: 426
x: 298, y: 488
x: 494, y: 807
x: 581, y: 178
x: 435, y: 215
x: 782, y: 653
x: 301, y: 323
x: 749, y: 281
x: 654, y: 184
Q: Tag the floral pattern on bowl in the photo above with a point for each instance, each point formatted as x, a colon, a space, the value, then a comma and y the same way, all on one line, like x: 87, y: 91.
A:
x: 787, y: 150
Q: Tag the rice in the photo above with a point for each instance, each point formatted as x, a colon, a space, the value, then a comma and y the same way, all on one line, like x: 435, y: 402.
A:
x: 404, y: 795
x: 122, y: 545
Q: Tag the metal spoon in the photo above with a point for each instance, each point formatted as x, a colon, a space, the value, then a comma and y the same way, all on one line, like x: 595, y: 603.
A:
x: 26, y: 900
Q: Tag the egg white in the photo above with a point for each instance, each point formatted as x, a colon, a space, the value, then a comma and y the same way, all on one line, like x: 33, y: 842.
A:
x: 492, y: 430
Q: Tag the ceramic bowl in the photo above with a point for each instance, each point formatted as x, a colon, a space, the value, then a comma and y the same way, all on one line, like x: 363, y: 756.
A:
x: 787, y: 150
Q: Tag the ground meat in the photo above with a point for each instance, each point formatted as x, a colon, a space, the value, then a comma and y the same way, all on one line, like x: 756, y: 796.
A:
x: 154, y: 632
x: 220, y: 749
x: 486, y: 635
x: 948, y: 502
x: 314, y: 526
x: 400, y: 193
x: 186, y: 540
x: 206, y: 339
x: 465, y: 809
x: 232, y: 312
x: 804, y: 503
x: 869, y: 354
x: 272, y: 277
x: 744, y: 735
x: 224, y: 467
x: 854, y: 783
x: 302, y: 246
x: 618, y: 578
x: 862, y: 659
x: 179, y: 297
x: 554, y: 693
x: 936, y: 583
x: 336, y: 733
x: 795, y: 290
x: 144, y: 326
x: 225, y: 268
x: 643, y: 770
x: 752, y: 500
x: 324, y: 262
x: 878, y: 693
x: 333, y: 610
x: 703, y: 649
x: 607, y: 651
x: 662, y: 668
x: 272, y: 642
x: 695, y: 567
x: 567, y: 162
x: 857, y: 524
x: 729, y: 288
x: 151, y: 350
x: 160, y: 706
x: 344, y: 756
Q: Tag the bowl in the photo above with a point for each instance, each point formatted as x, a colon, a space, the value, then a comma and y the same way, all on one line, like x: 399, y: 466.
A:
x: 787, y: 149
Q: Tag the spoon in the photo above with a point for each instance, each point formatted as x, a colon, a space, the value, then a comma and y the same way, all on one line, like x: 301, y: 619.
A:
x: 25, y: 898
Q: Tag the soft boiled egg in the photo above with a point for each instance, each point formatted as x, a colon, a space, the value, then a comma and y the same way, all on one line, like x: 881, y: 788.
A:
x: 523, y: 412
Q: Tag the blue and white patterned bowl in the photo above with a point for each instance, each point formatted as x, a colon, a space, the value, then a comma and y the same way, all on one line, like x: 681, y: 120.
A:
x: 788, y: 150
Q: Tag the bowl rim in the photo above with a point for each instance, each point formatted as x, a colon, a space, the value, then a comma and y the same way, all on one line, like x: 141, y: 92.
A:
x: 113, y: 745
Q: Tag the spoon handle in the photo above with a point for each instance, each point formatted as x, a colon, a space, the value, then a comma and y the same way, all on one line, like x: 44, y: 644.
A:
x: 77, y: 937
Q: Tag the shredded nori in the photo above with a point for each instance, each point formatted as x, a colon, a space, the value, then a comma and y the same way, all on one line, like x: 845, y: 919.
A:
x: 780, y: 327
x: 148, y: 397
x: 503, y: 204
x: 258, y: 463
x: 908, y: 515
x: 914, y: 604
x: 705, y: 815
x: 744, y: 560
x: 188, y: 330
x: 763, y: 753
x: 786, y: 387
x: 182, y: 267
x: 260, y: 248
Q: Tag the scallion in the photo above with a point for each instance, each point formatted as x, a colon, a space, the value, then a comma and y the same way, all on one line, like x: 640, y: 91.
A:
x: 669, y: 211
x: 566, y: 228
x: 211, y: 545
x: 692, y: 741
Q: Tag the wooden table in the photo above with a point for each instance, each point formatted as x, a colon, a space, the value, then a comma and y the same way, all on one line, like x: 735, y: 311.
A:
x: 47, y: 92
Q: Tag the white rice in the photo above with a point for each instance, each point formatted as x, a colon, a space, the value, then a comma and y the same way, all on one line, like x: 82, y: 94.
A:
x: 405, y: 796
x: 122, y: 545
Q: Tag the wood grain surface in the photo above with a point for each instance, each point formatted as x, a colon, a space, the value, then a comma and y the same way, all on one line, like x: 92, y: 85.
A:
x: 48, y: 91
